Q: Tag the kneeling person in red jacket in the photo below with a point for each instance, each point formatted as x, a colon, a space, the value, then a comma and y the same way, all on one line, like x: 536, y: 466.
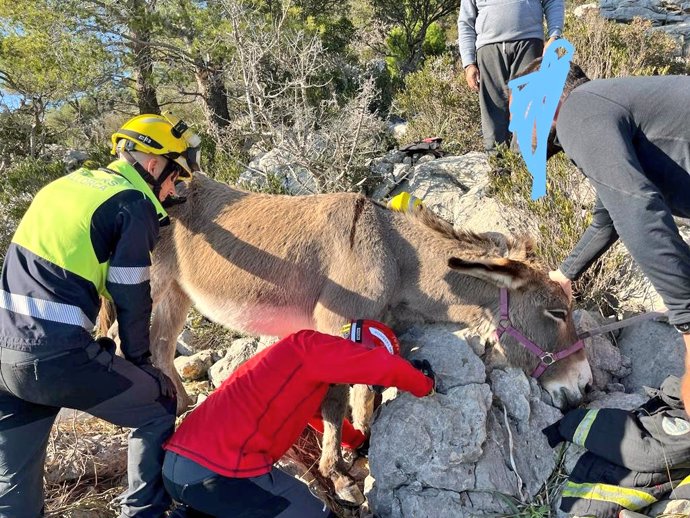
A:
x: 220, y: 460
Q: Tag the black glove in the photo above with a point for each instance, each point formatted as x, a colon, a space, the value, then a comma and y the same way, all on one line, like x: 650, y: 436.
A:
x: 167, y: 386
x: 425, y: 367
x: 107, y: 344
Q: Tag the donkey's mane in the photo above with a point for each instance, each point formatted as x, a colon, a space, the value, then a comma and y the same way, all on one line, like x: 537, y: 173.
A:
x: 488, y: 244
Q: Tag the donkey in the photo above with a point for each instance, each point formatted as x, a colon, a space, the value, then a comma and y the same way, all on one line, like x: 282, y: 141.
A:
x: 272, y: 265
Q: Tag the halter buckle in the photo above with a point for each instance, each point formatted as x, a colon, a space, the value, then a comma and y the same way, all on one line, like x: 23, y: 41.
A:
x: 547, y: 359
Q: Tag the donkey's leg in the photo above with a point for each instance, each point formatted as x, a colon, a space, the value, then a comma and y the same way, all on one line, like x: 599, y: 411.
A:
x: 333, y: 412
x: 362, y: 404
x: 331, y: 464
x: 168, y: 320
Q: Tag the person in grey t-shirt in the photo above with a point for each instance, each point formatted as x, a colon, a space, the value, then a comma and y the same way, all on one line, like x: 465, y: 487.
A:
x: 497, y: 39
x: 630, y: 137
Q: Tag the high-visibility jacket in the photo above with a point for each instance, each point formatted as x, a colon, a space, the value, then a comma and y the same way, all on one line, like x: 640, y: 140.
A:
x: 634, y: 458
x: 87, y: 234
x: 254, y: 417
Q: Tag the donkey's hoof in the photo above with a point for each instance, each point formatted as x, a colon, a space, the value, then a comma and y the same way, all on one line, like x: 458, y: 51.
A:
x: 348, y: 493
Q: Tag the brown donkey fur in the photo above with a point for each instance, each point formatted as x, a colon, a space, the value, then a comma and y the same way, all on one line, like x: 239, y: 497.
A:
x: 273, y: 265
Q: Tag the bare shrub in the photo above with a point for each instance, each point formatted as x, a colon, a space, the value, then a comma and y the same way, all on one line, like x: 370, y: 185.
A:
x: 438, y: 103
x: 297, y: 97
x: 605, y: 48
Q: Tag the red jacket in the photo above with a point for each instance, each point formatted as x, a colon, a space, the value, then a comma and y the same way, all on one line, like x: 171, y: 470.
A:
x: 254, y: 417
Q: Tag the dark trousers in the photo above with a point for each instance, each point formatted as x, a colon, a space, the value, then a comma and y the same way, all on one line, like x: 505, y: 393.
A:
x: 498, y: 63
x: 33, y: 388
x: 273, y: 495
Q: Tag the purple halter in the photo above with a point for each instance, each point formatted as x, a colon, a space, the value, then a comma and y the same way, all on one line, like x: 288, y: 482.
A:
x: 546, y: 359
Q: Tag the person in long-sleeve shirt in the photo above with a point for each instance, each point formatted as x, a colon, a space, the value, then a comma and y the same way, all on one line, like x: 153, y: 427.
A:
x: 220, y: 460
x: 88, y: 235
x: 631, y: 138
x: 497, y: 39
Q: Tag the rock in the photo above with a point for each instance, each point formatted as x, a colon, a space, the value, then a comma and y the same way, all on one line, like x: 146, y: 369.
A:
x: 398, y: 130
x: 669, y: 508
x: 419, y: 502
x: 280, y: 163
x: 432, y: 442
x: 455, y: 187
x: 197, y: 388
x: 393, y: 174
x: 604, y: 358
x: 360, y: 469
x: 656, y: 350
x: 669, y: 16
x: 74, y: 159
x: 619, y: 400
x: 512, y: 388
x: 582, y: 10
x: 185, y: 341
x: 240, y: 351
x: 451, y: 357
x: 449, y: 454
x: 195, y: 367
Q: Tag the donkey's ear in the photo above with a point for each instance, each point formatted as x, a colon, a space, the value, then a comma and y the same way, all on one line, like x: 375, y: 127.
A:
x: 504, y: 273
x: 522, y: 249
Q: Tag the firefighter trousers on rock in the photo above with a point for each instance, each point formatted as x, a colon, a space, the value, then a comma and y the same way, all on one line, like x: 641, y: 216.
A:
x: 633, y: 459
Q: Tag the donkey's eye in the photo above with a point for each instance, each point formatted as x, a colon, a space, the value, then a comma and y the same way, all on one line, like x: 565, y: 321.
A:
x: 559, y: 315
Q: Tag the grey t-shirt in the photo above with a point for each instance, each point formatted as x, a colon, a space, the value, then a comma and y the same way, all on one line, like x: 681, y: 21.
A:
x: 482, y: 22
x: 631, y: 137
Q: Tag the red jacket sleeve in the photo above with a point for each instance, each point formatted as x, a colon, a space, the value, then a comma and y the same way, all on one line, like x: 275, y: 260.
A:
x: 330, y: 359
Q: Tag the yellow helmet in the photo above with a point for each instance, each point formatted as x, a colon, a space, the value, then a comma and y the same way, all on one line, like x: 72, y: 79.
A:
x: 163, y: 135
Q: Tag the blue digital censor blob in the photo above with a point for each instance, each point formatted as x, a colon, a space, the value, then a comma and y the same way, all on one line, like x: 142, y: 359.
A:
x: 535, y: 98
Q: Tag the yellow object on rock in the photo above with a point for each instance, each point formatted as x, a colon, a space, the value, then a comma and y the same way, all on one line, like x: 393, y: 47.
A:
x: 403, y: 202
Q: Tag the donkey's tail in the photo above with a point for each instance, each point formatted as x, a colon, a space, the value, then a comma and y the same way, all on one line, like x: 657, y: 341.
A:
x: 106, y: 317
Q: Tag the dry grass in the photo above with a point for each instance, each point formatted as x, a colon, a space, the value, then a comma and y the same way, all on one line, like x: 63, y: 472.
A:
x: 86, y: 468
x: 302, y: 460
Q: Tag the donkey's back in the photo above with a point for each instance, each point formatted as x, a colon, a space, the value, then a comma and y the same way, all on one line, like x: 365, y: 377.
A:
x: 273, y: 265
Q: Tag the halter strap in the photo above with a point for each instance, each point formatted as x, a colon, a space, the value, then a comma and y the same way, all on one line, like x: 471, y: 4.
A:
x: 545, y: 358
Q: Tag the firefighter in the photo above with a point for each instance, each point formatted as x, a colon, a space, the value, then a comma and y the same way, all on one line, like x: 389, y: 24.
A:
x: 86, y: 235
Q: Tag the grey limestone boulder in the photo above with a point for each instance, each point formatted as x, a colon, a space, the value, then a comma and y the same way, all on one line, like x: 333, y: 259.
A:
x: 194, y: 367
x: 656, y: 350
x: 448, y: 454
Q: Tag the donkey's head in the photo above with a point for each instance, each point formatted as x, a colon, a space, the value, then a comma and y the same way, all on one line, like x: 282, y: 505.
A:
x: 532, y: 316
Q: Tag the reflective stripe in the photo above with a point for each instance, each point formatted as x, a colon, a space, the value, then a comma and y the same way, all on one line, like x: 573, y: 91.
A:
x: 45, y: 309
x: 625, y: 497
x: 582, y: 431
x: 682, y: 490
x: 128, y: 274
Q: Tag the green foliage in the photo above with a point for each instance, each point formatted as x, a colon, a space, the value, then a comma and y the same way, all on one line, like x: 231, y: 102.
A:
x: 401, y: 53
x: 605, y: 48
x: 411, y: 20
x: 434, y: 40
x: 437, y: 102
x: 335, y: 34
x: 18, y: 185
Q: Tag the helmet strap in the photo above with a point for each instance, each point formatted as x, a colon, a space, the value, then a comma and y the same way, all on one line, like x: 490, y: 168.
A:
x: 148, y: 177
